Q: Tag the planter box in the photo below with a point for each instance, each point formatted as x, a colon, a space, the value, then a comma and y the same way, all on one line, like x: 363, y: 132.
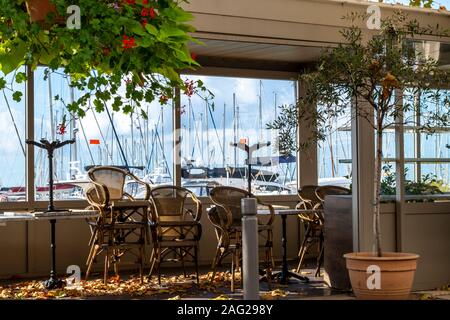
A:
x: 338, y: 240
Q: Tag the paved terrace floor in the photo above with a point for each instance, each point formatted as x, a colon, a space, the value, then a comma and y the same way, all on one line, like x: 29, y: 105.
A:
x: 177, y: 287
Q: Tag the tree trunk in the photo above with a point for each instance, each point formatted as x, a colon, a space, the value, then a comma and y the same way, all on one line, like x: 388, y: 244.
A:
x: 377, y: 191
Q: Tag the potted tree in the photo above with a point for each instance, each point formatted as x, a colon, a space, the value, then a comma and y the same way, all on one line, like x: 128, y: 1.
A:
x: 122, y: 53
x: 377, y: 76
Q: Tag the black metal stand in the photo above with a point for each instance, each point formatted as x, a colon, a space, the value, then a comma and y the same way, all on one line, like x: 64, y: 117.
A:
x: 249, y: 150
x: 53, y: 282
x: 285, y: 274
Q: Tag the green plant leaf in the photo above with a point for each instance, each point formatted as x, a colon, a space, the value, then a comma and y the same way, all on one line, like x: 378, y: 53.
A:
x: 17, y: 96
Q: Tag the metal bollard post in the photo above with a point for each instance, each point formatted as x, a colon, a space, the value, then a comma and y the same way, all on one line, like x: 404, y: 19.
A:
x: 250, y: 263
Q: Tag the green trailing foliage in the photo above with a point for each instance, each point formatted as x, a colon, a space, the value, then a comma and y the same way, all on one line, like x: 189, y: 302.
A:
x: 126, y: 53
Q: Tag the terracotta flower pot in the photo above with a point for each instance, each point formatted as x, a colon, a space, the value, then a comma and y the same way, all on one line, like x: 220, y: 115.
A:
x: 394, y: 280
x: 39, y: 9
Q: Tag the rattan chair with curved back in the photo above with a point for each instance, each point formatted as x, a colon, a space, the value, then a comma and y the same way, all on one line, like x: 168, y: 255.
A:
x: 313, y: 197
x: 311, y: 221
x: 226, y: 217
x: 175, y: 228
x: 122, y: 226
x: 323, y: 191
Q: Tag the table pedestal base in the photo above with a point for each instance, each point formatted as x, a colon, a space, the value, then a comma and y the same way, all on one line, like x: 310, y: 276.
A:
x: 53, y: 283
x: 283, y: 277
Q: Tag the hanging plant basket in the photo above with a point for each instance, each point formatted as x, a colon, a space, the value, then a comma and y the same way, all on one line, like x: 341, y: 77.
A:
x: 39, y: 9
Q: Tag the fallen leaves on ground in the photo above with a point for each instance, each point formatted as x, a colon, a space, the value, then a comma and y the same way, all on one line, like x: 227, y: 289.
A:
x: 173, y: 285
x: 222, y: 297
x: 274, y: 294
x: 426, y: 296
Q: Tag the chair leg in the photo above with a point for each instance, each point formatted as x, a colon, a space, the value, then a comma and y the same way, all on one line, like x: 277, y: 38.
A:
x: 268, y: 269
x: 233, y: 256
x: 91, y: 261
x: 116, y: 262
x: 196, y: 262
x: 305, y: 249
x: 215, y: 263
x: 141, y: 263
x: 182, y: 262
x: 320, y: 257
x: 237, y: 266
x: 301, y: 252
x: 158, y: 265
x: 106, y: 267
x: 152, y: 261
x: 91, y: 250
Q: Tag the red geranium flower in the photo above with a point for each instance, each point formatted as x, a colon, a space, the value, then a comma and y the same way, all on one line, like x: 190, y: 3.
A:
x: 163, y: 99
x: 189, y: 88
x: 130, y: 2
x: 128, y: 42
x: 148, y: 12
x: 144, y: 22
x: 61, y: 129
x: 194, y: 56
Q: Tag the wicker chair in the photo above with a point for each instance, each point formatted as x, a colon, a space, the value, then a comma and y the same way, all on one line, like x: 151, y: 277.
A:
x: 175, y: 229
x: 226, y: 218
x: 312, y: 197
x: 312, y: 223
x: 122, y: 226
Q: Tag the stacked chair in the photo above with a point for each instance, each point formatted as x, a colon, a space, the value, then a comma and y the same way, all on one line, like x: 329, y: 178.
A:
x: 226, y: 216
x: 122, y: 226
x: 176, y: 230
x: 312, y: 197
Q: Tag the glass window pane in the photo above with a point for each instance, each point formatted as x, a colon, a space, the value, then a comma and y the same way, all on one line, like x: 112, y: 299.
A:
x: 335, y: 153
x: 239, y: 112
x: 107, y: 138
x: 12, y: 146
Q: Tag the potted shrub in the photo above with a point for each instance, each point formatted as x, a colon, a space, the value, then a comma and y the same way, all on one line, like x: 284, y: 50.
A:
x: 375, y: 76
x: 123, y: 54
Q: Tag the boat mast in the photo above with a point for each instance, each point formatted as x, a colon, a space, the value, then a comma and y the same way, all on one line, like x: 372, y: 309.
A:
x: 234, y: 128
x: 14, y: 123
x: 132, y: 139
x: 162, y: 136
x: 223, y: 135
x: 52, y: 123
x: 202, y: 146
x: 73, y: 132
x: 275, y: 106
x: 189, y: 128
x: 207, y: 132
x: 112, y: 138
x: 260, y: 112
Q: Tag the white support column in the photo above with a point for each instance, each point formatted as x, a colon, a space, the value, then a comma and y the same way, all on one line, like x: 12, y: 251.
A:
x: 400, y: 172
x: 363, y: 173
x: 250, y: 259
x: 306, y: 158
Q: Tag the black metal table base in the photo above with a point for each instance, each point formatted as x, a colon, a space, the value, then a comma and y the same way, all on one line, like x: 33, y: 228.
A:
x: 284, y: 275
x: 53, y: 282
